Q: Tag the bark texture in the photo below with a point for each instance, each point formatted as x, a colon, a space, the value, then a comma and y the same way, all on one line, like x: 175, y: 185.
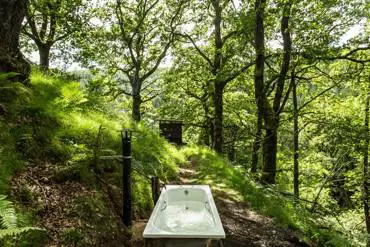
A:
x: 44, y: 52
x: 257, y: 143
x: 136, y: 103
x: 12, y: 13
x: 218, y: 133
x: 260, y: 62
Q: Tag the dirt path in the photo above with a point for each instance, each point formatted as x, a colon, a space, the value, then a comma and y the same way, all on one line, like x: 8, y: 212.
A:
x: 242, y: 226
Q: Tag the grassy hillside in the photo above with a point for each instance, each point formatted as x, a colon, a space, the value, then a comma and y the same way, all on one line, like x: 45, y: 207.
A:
x: 59, y: 125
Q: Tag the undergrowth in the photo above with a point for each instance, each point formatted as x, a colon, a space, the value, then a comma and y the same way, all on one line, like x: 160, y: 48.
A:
x: 58, y: 123
x: 217, y: 171
x: 78, y: 115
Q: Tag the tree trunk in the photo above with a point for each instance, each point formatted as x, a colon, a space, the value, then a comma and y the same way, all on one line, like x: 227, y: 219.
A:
x: 260, y: 57
x: 366, y: 171
x: 136, y: 97
x: 257, y: 143
x: 12, y: 13
x: 270, y: 113
x: 44, y: 52
x: 269, y: 158
x: 295, y: 139
x: 136, y: 103
x: 207, y: 136
x: 218, y: 86
x: 259, y: 70
x: 218, y: 104
x: 231, y: 154
x: 211, y: 132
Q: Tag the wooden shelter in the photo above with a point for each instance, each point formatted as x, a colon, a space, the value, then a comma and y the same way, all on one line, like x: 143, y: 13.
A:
x: 171, y: 130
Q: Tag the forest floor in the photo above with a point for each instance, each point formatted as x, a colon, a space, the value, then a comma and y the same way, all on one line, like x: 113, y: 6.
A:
x: 71, y: 213
x: 243, y: 227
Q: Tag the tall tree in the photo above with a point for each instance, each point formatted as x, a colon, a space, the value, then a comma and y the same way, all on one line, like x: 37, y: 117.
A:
x: 52, y: 21
x: 189, y: 71
x: 135, y: 44
x: 137, y: 33
x: 271, y: 110
x: 318, y: 34
x: 222, y: 59
x: 298, y: 73
x: 12, y: 13
x: 259, y: 71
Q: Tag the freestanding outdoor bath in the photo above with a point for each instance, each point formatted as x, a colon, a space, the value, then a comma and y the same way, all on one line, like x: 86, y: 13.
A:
x: 185, y: 215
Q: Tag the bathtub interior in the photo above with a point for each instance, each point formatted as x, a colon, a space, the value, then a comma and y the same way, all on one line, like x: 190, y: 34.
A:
x: 185, y: 211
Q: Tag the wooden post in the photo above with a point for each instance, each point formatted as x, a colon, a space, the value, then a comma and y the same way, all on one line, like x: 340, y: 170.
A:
x: 126, y: 178
x: 155, y: 189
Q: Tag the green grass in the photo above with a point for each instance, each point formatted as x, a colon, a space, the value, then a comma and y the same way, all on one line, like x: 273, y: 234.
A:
x: 217, y: 171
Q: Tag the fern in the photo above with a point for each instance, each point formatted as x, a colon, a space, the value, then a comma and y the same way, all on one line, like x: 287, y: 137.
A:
x: 8, y: 220
x: 13, y: 232
x: 11, y: 91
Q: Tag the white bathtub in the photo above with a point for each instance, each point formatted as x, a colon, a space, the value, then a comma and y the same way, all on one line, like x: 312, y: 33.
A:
x: 185, y: 211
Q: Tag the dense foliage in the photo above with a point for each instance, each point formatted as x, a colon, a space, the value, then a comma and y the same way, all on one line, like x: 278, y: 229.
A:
x: 274, y: 97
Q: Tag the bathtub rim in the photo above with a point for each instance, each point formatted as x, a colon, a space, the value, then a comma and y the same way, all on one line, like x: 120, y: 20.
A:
x: 152, y: 231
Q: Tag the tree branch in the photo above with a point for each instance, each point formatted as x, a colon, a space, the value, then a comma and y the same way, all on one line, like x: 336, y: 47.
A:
x: 32, y: 24
x: 201, y: 53
x: 291, y: 84
x: 237, y: 73
x: 316, y: 96
x: 150, y: 98
x: 53, y: 22
x: 229, y: 35
x: 285, y: 32
x: 124, y: 36
x: 141, y: 21
x: 346, y: 56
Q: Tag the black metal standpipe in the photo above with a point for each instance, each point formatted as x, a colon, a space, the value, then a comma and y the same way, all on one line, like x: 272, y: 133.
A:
x: 126, y: 178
